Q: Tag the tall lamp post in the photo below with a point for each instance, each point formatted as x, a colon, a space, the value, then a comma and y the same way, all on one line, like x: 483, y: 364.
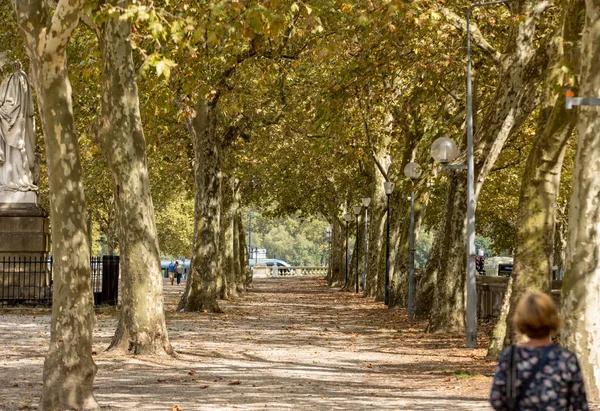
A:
x: 250, y: 235
x: 412, y: 171
x: 329, y: 246
x: 357, y: 210
x: 388, y: 186
x: 366, y: 202
x: 444, y: 151
x: 347, y: 217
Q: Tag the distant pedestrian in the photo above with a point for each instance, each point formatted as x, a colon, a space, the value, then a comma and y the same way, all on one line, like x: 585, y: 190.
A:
x: 172, y: 271
x: 178, y: 272
x: 538, y: 375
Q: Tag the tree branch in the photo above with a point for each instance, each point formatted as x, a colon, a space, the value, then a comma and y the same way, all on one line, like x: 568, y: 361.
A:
x: 63, y: 23
x: 380, y: 167
x: 476, y: 36
x: 31, y: 16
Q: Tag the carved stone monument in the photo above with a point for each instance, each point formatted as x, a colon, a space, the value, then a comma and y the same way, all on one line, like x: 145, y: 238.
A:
x: 24, y: 226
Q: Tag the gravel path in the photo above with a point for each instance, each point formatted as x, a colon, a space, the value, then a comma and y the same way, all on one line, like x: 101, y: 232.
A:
x: 289, y: 343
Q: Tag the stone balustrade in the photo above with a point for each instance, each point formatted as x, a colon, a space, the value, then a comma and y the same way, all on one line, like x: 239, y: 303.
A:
x: 297, y: 270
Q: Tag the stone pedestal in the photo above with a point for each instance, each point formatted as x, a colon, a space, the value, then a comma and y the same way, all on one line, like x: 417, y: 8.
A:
x: 260, y: 271
x: 24, y: 230
x: 25, y: 275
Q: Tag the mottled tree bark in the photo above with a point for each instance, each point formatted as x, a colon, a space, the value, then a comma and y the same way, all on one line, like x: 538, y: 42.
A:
x: 427, y: 280
x: 141, y: 328
x: 243, y: 255
x: 399, y: 283
x: 410, y: 125
x: 560, y: 237
x: 229, y: 289
x: 535, y: 237
x: 338, y: 254
x: 512, y: 103
x: 377, y: 222
x: 69, y: 369
x: 448, y: 267
x: 357, y: 253
x: 204, y: 285
x: 581, y: 284
x: 377, y: 233
x: 239, y: 253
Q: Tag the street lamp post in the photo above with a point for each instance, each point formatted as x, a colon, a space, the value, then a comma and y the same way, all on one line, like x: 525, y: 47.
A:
x: 347, y: 217
x: 445, y: 152
x: 357, y: 210
x: 366, y: 202
x: 329, y: 246
x: 250, y: 235
x: 389, y: 189
x: 412, y: 171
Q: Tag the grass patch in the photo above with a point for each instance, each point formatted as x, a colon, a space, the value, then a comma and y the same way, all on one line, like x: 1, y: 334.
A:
x: 460, y: 374
x: 464, y: 374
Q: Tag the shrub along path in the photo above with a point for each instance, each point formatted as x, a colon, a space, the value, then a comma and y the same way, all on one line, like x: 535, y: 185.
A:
x: 289, y: 343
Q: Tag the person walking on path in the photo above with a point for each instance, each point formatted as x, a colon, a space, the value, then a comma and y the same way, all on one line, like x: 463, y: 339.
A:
x: 178, y: 271
x: 538, y: 375
x: 172, y: 272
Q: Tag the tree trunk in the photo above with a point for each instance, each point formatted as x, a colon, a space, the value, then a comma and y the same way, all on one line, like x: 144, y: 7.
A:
x: 534, y: 251
x: 229, y: 289
x: 205, y: 278
x: 111, y: 230
x: 581, y: 284
x: 412, y: 131
x: 69, y: 369
x: 399, y: 265
x: 426, y: 282
x: 397, y: 210
x: 511, y: 105
x: 399, y: 293
x: 338, y: 254
x: 377, y: 226
x: 142, y: 328
x: 448, y: 308
x: 357, y: 254
x: 240, y: 259
x: 560, y: 237
x: 377, y: 240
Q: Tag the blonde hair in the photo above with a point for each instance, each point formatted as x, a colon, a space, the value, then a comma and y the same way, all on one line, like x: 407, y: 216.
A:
x: 536, y: 315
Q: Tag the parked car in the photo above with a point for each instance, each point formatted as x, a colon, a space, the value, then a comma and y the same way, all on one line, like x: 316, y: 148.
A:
x: 270, y: 262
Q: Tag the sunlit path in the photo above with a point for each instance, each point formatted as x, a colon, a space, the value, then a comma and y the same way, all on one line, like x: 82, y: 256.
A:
x: 289, y: 343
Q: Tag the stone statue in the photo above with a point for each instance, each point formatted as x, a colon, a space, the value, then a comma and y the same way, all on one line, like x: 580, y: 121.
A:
x: 17, y: 133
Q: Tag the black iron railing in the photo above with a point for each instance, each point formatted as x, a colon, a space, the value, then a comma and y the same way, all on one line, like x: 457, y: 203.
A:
x: 28, y: 280
x: 25, y: 280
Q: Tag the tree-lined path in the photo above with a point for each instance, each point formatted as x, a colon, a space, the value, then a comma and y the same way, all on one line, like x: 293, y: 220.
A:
x: 290, y: 343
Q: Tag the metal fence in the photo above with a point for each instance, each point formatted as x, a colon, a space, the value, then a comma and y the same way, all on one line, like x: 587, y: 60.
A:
x: 28, y: 280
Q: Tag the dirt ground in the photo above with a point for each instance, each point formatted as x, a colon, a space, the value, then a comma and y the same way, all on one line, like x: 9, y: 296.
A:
x: 289, y: 343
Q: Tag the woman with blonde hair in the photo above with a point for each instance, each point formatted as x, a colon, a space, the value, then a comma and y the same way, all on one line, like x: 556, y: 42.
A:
x: 536, y: 374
